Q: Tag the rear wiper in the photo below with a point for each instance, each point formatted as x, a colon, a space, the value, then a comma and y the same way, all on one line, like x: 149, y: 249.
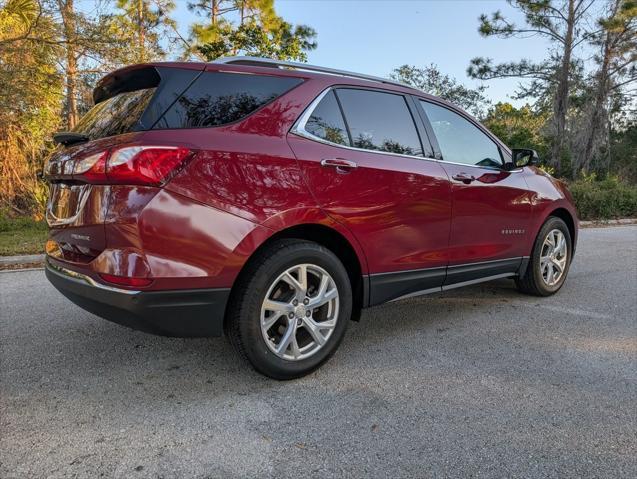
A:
x: 67, y: 138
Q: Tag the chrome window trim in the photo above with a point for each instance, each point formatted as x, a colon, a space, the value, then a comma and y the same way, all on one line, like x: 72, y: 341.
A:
x: 309, y: 136
x: 299, y: 129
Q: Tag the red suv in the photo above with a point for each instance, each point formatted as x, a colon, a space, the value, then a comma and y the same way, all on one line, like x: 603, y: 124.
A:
x: 273, y: 201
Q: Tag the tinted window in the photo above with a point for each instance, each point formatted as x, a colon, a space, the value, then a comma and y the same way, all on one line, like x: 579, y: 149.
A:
x: 379, y: 121
x: 174, y: 81
x: 219, y: 98
x: 460, y: 140
x: 116, y: 115
x: 327, y: 122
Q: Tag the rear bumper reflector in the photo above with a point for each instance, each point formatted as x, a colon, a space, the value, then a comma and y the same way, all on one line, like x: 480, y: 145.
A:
x: 126, y: 281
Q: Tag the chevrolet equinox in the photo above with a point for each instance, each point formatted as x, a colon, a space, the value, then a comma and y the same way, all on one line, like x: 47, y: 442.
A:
x: 273, y: 201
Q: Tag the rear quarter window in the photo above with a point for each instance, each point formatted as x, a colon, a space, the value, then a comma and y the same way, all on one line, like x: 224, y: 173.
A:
x: 326, y: 121
x: 220, y: 98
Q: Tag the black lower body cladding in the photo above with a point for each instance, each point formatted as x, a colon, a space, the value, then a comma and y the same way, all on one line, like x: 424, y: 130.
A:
x: 181, y: 313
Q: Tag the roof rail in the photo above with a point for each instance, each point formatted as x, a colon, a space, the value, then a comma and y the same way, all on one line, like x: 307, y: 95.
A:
x: 268, y: 62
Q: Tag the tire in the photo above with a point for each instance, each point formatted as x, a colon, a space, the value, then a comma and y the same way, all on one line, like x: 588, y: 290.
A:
x: 301, y: 336
x: 536, y: 280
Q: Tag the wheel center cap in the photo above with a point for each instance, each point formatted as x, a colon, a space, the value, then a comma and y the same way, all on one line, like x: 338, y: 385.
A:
x: 299, y: 311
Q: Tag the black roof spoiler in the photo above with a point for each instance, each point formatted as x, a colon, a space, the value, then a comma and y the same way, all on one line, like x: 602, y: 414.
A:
x: 133, y: 78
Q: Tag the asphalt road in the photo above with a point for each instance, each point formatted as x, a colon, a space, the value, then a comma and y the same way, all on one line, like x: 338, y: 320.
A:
x: 480, y: 382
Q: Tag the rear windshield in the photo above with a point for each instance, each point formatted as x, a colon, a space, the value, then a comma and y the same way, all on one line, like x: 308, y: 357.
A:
x: 117, y: 115
x: 220, y: 98
x: 213, y: 99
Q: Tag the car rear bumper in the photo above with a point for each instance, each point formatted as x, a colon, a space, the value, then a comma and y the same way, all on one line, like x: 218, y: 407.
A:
x: 180, y: 313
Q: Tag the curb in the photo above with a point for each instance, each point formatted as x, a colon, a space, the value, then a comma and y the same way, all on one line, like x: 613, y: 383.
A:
x: 26, y: 259
x: 599, y: 223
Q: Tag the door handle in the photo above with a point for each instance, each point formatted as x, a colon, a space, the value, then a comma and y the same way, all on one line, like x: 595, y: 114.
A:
x: 341, y: 165
x: 464, y: 177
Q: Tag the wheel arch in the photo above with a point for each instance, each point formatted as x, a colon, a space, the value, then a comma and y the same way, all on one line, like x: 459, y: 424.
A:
x: 331, y: 239
x: 567, y: 217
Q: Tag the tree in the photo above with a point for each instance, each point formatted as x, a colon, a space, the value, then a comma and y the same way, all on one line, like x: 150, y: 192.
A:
x: 259, y: 32
x: 71, y: 37
x: 44, y: 45
x: 147, y: 21
x: 93, y: 45
x: 617, y: 44
x: 31, y: 90
x: 432, y: 81
x: 518, y: 127
x: 623, y: 151
x: 81, y: 41
x: 562, y: 22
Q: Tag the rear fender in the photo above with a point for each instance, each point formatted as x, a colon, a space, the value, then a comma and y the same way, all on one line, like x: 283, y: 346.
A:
x: 297, y: 217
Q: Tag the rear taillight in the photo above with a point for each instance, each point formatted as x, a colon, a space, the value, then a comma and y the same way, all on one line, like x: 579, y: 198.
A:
x: 92, y: 168
x: 132, y: 165
x: 146, y: 165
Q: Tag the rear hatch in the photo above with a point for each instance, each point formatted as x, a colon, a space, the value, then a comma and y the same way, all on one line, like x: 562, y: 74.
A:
x: 128, y: 102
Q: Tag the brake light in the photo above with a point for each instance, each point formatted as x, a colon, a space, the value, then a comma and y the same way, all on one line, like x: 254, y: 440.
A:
x: 126, y: 281
x: 132, y: 165
x: 145, y: 165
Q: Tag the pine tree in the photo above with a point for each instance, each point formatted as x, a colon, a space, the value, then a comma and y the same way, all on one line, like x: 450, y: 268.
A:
x: 146, y: 21
x: 259, y: 31
x: 560, y: 21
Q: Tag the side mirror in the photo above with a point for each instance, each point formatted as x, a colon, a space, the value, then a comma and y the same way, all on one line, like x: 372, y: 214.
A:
x: 524, y: 157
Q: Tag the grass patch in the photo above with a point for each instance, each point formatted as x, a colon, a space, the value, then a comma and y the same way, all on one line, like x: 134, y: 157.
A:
x: 21, y: 236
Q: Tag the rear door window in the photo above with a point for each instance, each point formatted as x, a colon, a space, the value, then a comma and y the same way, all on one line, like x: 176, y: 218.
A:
x: 116, y: 115
x: 219, y: 98
x: 326, y: 121
x: 380, y: 121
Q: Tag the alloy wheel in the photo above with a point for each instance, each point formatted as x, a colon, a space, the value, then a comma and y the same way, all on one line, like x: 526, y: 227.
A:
x: 553, y: 257
x: 299, y: 312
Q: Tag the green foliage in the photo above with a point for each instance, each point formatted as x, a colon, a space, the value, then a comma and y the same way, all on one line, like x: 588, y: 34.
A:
x: 539, y: 16
x: 30, y: 99
x: 546, y: 18
x: 284, y: 43
x: 431, y: 80
x: 259, y: 31
x: 587, y: 96
x: 518, y: 127
x: 623, y: 152
x: 146, y: 21
x: 607, y: 199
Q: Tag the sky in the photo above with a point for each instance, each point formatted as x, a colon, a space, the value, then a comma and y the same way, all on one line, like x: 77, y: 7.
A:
x: 376, y: 36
